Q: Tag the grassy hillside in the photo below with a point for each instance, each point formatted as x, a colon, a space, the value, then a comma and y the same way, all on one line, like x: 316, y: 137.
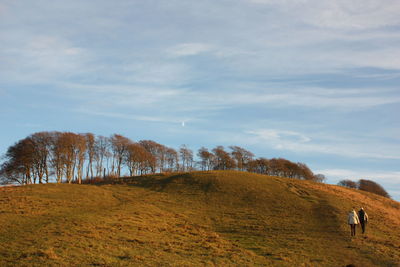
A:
x: 195, y: 219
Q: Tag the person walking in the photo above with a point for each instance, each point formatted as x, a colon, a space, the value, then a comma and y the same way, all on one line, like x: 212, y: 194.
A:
x: 352, y: 220
x: 363, y: 217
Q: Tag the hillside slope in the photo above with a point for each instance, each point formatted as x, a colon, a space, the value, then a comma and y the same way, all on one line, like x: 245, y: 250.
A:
x: 220, y: 218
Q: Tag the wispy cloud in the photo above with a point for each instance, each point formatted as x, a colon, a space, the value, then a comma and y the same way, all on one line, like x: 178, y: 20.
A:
x: 41, y: 59
x: 189, y: 49
x: 135, y: 117
x: 348, y: 99
x: 201, y: 104
x: 119, y: 94
x: 262, y: 43
x: 155, y: 72
x: 340, y: 14
x: 387, y: 177
x: 344, y: 146
x: 305, y: 77
x: 181, y: 103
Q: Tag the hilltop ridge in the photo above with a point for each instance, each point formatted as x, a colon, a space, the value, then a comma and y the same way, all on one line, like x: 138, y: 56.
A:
x: 195, y: 219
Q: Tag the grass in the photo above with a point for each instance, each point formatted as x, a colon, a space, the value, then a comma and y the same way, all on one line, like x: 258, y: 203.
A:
x: 219, y: 218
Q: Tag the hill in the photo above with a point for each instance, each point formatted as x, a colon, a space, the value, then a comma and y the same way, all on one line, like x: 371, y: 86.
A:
x: 221, y: 218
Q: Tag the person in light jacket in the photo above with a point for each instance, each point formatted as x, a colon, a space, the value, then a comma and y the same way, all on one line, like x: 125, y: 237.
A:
x: 363, y: 217
x: 352, y: 220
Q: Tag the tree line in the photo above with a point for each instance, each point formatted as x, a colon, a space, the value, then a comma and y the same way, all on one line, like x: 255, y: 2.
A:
x: 45, y: 157
x: 365, y: 185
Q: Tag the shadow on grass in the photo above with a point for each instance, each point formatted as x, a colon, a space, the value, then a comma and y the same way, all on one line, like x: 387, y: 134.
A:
x: 161, y: 182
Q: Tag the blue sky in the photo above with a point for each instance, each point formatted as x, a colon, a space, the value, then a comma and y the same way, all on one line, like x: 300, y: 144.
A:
x: 311, y: 81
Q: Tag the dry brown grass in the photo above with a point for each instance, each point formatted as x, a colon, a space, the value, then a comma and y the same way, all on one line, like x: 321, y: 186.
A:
x: 377, y: 206
x: 194, y: 219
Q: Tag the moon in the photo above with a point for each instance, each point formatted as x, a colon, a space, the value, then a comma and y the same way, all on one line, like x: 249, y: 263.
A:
x: 183, y: 124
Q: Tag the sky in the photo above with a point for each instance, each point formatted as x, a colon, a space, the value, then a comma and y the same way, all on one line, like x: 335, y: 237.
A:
x: 311, y: 81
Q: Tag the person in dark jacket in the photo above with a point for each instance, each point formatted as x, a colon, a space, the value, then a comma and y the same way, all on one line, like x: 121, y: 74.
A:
x: 363, y: 217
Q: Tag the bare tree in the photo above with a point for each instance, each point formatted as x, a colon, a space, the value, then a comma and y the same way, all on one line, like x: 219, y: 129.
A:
x: 13, y: 170
x: 19, y: 163
x: 260, y: 165
x: 320, y: 178
x: 80, y: 146
x: 65, y: 156
x: 138, y: 159
x: 207, y: 159
x: 242, y: 156
x: 57, y: 160
x: 90, y: 153
x: 172, y: 159
x: 304, y: 172
x: 68, y: 150
x: 373, y: 187
x: 157, y: 151
x: 42, y: 148
x: 223, y: 160
x: 11, y: 173
x: 348, y: 183
x: 162, y: 157
x: 186, y: 156
x: 119, y: 146
x: 101, y: 154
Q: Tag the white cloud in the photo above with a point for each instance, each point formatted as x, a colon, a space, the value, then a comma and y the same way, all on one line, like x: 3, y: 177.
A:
x: 383, y: 57
x: 156, y: 72
x: 387, y: 177
x: 340, y: 14
x: 316, y: 97
x: 317, y: 36
x: 136, y: 117
x: 204, y: 104
x: 344, y: 146
x: 359, y: 14
x: 41, y: 58
x: 189, y: 49
x: 238, y: 67
x: 124, y: 96
x: 271, y: 42
x: 273, y: 134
